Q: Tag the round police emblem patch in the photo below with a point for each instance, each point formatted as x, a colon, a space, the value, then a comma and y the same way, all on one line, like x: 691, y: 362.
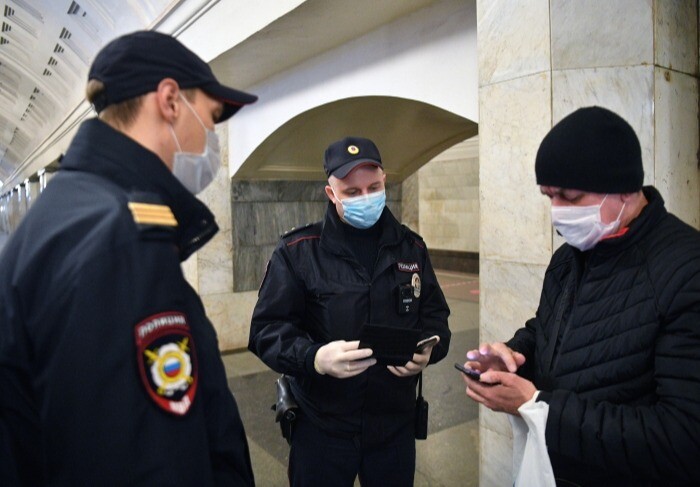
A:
x: 167, y: 361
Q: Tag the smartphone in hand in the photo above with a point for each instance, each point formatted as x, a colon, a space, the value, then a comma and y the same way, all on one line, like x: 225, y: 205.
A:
x: 428, y: 342
x: 471, y: 373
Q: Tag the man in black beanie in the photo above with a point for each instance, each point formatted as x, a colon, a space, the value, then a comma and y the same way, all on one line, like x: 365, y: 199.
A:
x: 612, y: 355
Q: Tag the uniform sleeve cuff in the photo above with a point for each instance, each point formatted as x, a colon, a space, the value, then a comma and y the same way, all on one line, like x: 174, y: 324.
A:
x: 309, y: 359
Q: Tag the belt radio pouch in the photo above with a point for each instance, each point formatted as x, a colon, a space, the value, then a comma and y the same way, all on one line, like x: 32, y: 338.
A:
x: 286, y: 408
x: 421, y: 412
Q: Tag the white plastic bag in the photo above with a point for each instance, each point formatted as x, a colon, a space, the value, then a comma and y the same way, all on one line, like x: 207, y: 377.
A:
x: 531, y: 465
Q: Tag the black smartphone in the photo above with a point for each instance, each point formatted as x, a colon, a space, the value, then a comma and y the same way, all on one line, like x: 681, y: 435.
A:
x: 472, y: 374
x: 428, y: 342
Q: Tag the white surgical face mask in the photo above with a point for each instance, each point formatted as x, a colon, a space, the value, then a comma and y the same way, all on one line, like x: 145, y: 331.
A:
x: 197, y: 171
x: 582, y: 226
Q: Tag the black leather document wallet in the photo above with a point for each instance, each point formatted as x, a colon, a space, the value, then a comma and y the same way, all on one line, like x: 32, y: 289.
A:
x: 390, y: 345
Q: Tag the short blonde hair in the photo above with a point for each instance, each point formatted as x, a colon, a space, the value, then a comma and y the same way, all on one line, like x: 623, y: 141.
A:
x: 123, y: 113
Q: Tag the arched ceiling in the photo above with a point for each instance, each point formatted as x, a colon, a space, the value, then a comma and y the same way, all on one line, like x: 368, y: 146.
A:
x: 408, y: 134
x: 46, y: 47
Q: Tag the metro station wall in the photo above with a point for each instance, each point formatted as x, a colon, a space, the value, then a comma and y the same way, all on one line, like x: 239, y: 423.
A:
x: 449, y: 207
x: 262, y: 211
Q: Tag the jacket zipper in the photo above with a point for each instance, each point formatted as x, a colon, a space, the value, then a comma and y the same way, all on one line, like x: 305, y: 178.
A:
x: 567, y: 326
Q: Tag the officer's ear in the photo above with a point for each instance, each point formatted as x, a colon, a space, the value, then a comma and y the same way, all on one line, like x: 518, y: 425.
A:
x: 168, y: 99
x: 329, y: 193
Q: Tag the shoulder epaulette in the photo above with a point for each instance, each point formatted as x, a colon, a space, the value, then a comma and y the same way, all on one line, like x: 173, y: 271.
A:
x: 412, y: 233
x: 296, y: 229
x: 146, y: 210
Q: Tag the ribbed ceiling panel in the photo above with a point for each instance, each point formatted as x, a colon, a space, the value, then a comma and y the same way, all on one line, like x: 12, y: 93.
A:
x: 46, y: 47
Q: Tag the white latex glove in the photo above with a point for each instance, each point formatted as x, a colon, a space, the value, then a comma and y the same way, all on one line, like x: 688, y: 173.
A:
x: 343, y: 359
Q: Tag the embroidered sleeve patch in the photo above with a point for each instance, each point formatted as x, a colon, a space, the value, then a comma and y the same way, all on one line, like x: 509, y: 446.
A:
x: 167, y: 361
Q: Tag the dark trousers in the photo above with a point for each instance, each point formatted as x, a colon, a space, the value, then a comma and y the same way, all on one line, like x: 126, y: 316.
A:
x: 318, y: 459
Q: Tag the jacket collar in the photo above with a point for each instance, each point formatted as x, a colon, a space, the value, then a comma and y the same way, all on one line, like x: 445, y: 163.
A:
x: 333, y: 232
x: 101, y: 150
x: 645, y: 223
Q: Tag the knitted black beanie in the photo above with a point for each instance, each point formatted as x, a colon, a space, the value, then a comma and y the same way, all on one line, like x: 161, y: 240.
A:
x: 591, y: 149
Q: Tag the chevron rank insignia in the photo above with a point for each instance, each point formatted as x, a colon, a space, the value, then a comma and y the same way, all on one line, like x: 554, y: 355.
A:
x: 152, y: 214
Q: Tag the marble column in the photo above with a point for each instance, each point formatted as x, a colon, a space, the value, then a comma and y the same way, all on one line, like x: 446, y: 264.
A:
x: 19, y: 206
x: 210, y: 271
x: 4, y: 220
x: 539, y: 60
x: 32, y: 190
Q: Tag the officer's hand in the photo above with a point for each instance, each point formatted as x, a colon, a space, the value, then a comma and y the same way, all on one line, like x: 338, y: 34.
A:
x: 415, y: 365
x: 494, y: 356
x: 343, y: 359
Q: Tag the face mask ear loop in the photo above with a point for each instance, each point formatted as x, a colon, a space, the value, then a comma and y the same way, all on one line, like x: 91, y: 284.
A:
x: 177, y: 142
x: 621, y: 209
x: 192, y: 110
x: 336, y: 196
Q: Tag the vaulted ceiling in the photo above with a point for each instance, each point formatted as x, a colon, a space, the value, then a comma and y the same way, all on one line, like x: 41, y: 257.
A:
x: 46, y: 47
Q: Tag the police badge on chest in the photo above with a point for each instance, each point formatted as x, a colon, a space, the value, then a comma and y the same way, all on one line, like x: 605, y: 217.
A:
x: 408, y: 294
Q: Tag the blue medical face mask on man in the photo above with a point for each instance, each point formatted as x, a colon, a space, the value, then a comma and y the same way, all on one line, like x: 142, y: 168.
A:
x: 363, y: 211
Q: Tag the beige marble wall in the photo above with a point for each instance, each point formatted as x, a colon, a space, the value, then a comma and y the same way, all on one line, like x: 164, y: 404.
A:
x: 449, y: 187
x: 676, y: 148
x: 210, y: 271
x: 538, y: 61
x: 409, y: 202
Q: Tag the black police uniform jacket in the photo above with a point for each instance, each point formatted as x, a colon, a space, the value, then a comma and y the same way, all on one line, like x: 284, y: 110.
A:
x: 615, y: 345
x: 315, y: 292
x: 110, y: 372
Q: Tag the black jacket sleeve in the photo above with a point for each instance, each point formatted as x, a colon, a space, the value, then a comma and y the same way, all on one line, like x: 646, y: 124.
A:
x: 434, y: 313
x: 96, y: 405
x: 659, y: 440
x: 277, y: 333
x: 651, y: 440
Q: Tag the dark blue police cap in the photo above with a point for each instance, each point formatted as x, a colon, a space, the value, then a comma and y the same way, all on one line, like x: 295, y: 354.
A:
x: 343, y: 156
x: 134, y: 64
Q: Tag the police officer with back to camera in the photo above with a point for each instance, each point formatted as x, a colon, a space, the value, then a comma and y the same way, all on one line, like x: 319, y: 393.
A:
x: 323, y: 283
x: 110, y: 371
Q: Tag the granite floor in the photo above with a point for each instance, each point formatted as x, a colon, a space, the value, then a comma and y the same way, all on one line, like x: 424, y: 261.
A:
x: 450, y: 455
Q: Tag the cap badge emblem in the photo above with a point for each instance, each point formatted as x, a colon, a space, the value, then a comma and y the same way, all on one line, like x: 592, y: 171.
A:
x: 352, y: 149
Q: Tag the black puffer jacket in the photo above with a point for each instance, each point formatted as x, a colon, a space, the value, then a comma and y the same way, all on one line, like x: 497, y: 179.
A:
x: 615, y: 345
x: 316, y: 292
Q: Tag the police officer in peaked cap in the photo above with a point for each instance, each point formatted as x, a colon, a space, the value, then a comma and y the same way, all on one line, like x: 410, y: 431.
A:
x: 357, y: 275
x: 110, y: 372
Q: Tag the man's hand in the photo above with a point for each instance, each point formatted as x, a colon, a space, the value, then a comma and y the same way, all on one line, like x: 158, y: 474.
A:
x: 415, y: 365
x: 500, y: 391
x: 494, y: 356
x: 343, y: 359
